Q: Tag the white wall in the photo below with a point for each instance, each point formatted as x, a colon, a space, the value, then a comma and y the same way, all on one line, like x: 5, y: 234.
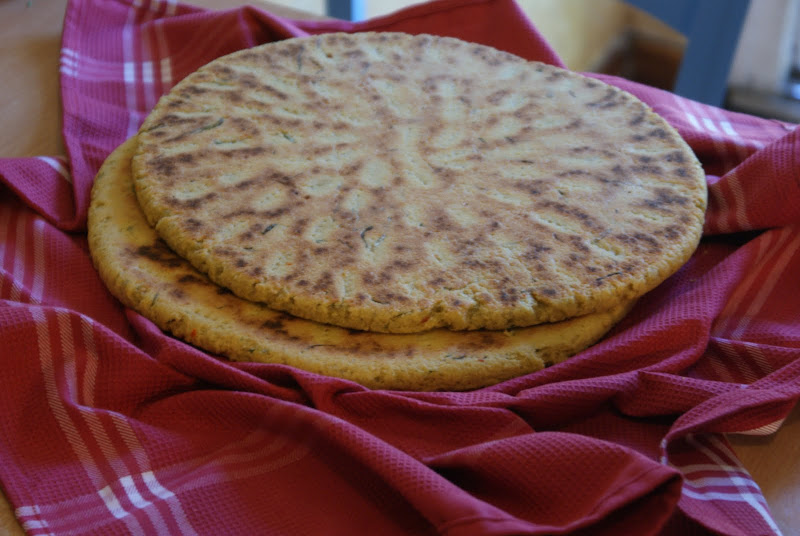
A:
x: 765, y: 53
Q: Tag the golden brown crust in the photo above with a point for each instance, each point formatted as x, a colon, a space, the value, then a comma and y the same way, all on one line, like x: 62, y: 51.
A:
x: 399, y: 183
x: 143, y: 273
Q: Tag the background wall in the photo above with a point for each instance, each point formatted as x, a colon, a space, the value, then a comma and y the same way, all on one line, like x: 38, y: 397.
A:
x: 585, y: 33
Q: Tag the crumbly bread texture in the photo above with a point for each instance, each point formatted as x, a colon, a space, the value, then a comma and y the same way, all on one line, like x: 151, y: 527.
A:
x: 144, y: 274
x: 398, y: 183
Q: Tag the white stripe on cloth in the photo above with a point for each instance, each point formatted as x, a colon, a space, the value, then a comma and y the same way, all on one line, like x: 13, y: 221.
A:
x: 770, y: 245
x: 99, y: 433
x: 34, y: 524
x: 5, y: 218
x: 703, y: 467
x: 90, y: 69
x: 39, y: 268
x: 129, y: 77
x: 198, y: 47
x: 767, y: 285
x: 27, y: 511
x: 147, y: 72
x: 133, y: 493
x: 767, y: 429
x: 147, y: 80
x: 728, y: 496
x: 112, y: 503
x: 166, y: 73
x: 58, y: 165
x: 144, y: 72
x: 153, y: 6
x: 30, y: 519
x: 164, y: 63
x: 755, y: 500
x: 755, y: 355
x: 80, y: 449
x: 255, y: 454
x: 5, y: 222
x: 149, y: 479
x: 711, y: 481
x: 22, y: 220
x: 698, y: 116
x: 92, y: 420
x: 90, y: 368
x: 721, y: 368
x: 743, y: 149
x: 18, y: 272
x: 125, y: 487
x: 732, y: 177
x: 722, y: 201
x: 720, y: 223
x: 68, y: 62
x: 155, y: 486
x: 710, y: 126
x: 728, y: 129
x: 745, y: 362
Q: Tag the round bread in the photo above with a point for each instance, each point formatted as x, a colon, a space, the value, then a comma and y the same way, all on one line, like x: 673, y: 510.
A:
x: 144, y: 274
x: 398, y: 183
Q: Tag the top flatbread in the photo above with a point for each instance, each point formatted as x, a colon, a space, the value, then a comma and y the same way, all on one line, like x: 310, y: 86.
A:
x: 398, y: 183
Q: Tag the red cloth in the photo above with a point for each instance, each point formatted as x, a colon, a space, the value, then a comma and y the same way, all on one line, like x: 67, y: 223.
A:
x: 109, y: 426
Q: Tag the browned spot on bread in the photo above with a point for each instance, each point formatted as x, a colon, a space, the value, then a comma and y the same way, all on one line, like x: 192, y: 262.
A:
x: 640, y: 242
x: 299, y: 226
x: 194, y: 90
x: 638, y: 119
x: 550, y: 292
x: 166, y: 165
x: 177, y: 293
x: 274, y: 324
x: 243, y: 153
x: 325, y: 282
x: 238, y: 213
x: 536, y: 252
x: 646, y: 168
x: 532, y: 187
x: 665, y: 199
x: 191, y: 278
x: 498, y: 96
x: 192, y: 203
x: 676, y: 156
x: 572, y: 212
x: 160, y: 253
x: 608, y: 100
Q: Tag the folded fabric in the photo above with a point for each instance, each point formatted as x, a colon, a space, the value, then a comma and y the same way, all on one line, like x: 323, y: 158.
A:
x: 111, y: 426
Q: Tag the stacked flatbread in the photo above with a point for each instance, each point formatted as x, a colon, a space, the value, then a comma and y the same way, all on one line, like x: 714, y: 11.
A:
x: 408, y: 212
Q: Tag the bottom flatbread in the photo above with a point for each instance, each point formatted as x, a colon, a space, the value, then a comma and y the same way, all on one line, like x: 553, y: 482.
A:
x: 145, y: 275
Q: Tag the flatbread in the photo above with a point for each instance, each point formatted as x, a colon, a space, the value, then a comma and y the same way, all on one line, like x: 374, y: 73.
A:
x: 399, y: 183
x: 145, y: 275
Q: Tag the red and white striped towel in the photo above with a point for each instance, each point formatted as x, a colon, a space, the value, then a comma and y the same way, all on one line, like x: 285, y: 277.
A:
x: 109, y: 426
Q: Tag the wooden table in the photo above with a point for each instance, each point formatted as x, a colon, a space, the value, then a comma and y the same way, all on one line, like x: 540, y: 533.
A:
x: 30, y: 111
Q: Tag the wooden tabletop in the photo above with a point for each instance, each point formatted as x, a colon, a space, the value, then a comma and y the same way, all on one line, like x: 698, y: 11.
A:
x: 30, y: 111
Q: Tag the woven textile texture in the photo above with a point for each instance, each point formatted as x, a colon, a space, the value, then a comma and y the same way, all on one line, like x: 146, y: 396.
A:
x: 111, y: 427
